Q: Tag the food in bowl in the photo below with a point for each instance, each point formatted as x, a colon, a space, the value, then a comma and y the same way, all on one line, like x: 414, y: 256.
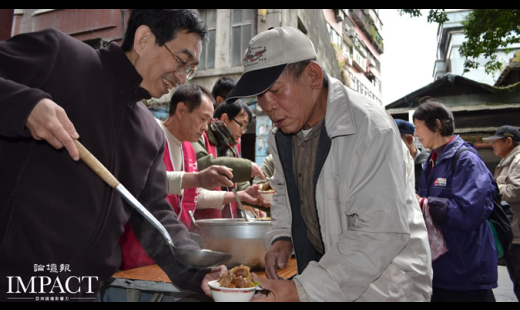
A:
x: 266, y: 187
x: 267, y: 192
x: 238, y: 277
x: 236, y: 286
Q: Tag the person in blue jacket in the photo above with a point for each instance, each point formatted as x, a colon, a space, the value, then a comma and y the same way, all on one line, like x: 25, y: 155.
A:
x: 461, y: 203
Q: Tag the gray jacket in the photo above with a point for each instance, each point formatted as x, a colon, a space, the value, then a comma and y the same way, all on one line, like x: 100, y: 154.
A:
x: 508, y: 180
x: 376, y: 243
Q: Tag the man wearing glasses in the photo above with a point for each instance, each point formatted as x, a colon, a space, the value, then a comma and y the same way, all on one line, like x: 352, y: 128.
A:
x: 54, y: 210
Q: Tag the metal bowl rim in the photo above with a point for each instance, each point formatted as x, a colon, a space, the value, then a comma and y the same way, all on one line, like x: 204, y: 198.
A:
x: 232, y: 222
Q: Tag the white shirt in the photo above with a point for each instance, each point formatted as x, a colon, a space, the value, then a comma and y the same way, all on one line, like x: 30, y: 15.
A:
x: 206, y: 199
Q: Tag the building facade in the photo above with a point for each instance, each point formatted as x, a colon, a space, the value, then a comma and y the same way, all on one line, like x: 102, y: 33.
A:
x: 450, y: 38
x: 231, y: 30
x: 96, y: 27
x: 356, y: 36
x: 6, y: 23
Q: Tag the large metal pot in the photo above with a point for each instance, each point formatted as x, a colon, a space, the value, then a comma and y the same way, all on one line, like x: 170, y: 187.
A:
x: 244, y: 240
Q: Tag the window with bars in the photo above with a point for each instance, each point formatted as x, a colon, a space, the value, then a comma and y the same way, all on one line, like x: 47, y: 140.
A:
x: 207, y: 58
x: 242, y: 27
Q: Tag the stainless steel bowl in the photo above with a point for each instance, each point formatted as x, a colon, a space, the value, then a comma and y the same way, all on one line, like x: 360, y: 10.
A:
x: 244, y: 240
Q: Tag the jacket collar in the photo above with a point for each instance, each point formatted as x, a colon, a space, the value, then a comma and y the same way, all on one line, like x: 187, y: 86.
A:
x: 507, y: 161
x: 452, y: 148
x: 339, y: 118
x: 124, y: 72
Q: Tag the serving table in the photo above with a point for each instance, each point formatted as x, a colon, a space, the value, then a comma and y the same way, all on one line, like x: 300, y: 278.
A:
x: 153, y: 279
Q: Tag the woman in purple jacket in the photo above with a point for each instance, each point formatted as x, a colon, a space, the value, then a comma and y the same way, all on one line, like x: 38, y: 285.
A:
x: 461, y: 203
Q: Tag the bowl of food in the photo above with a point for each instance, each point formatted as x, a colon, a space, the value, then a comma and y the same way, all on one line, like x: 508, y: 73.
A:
x: 236, y: 286
x: 267, y: 192
x: 267, y: 196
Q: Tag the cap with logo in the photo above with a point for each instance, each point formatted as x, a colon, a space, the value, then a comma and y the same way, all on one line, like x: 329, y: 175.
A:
x: 505, y: 132
x: 268, y: 55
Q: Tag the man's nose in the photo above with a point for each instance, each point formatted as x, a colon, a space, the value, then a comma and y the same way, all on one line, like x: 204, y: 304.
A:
x: 182, y: 78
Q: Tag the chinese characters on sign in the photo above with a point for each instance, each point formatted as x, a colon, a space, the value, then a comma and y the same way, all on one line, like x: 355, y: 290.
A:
x: 52, y: 268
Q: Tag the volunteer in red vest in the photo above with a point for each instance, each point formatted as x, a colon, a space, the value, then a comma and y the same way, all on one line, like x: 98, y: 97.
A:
x: 191, y: 109
x: 243, y: 171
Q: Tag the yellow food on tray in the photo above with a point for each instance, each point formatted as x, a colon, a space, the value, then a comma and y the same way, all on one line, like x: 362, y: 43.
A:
x: 238, y: 277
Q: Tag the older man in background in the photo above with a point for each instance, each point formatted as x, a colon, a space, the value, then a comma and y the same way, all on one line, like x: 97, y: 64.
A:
x: 506, y: 145
x: 407, y: 131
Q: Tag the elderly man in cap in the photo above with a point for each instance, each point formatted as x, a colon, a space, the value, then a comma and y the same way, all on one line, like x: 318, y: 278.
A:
x: 407, y: 131
x: 506, y: 145
x: 342, y: 203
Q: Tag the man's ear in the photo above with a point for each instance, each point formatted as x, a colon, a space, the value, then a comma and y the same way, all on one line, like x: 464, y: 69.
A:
x: 438, y: 124
x: 181, y: 109
x: 219, y: 100
x: 409, y: 138
x: 315, y: 74
x: 143, y: 38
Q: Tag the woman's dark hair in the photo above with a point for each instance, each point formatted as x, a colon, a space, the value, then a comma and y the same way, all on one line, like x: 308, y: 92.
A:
x: 233, y: 109
x: 430, y: 111
x: 190, y: 95
x: 165, y: 24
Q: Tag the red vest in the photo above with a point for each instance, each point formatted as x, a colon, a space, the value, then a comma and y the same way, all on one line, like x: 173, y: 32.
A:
x: 188, y: 202
x: 133, y: 255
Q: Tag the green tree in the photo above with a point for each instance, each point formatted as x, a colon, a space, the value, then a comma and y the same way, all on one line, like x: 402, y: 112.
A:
x: 487, y: 30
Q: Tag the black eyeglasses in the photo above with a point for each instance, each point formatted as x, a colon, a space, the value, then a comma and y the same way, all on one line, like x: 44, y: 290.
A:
x: 182, y: 67
x: 242, y: 126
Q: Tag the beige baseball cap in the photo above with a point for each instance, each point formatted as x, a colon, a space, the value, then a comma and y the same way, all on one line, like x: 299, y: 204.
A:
x: 268, y: 55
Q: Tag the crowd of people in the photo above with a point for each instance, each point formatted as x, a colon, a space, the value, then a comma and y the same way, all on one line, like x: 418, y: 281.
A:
x: 348, y: 178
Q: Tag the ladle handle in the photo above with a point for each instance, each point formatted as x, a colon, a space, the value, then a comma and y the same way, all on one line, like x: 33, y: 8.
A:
x: 95, y: 165
x: 109, y: 178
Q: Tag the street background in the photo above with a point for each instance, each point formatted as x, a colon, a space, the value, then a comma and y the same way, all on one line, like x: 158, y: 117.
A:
x: 504, y: 292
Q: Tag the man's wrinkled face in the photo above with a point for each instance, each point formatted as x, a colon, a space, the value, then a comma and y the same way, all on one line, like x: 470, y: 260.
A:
x: 288, y: 103
x: 195, y: 123
x: 502, y: 147
x: 160, y: 69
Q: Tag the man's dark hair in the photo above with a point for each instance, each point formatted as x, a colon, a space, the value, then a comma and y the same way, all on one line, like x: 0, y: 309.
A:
x: 430, y: 111
x: 296, y: 71
x: 165, y: 24
x: 190, y: 95
x: 223, y: 87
